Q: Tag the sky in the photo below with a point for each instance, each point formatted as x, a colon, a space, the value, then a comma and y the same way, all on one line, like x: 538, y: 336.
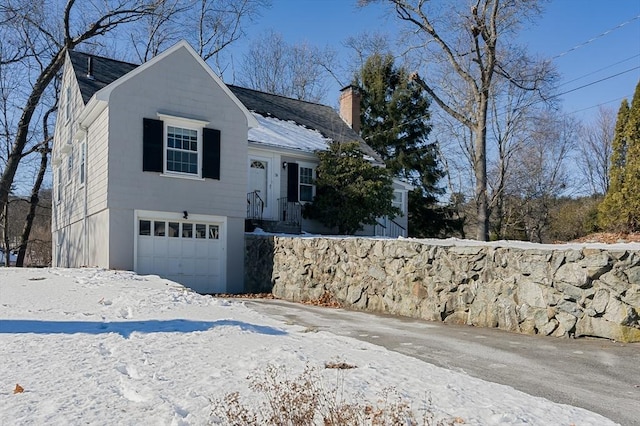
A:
x: 589, y: 40
x: 94, y: 346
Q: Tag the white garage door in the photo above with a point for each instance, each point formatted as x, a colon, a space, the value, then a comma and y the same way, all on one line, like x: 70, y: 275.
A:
x: 188, y: 252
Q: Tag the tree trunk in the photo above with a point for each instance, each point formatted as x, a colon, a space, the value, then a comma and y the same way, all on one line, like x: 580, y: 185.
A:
x: 5, y: 234
x: 480, y: 170
x: 33, y: 205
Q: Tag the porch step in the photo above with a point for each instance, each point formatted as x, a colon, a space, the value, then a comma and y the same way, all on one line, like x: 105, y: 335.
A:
x: 277, y: 227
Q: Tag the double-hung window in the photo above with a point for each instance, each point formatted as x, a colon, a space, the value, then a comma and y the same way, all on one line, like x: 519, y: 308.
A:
x: 181, y: 147
x: 182, y: 150
x: 306, y: 183
x: 398, y: 201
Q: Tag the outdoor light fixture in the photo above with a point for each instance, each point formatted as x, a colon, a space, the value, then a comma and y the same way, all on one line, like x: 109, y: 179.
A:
x: 284, y: 164
x: 185, y: 215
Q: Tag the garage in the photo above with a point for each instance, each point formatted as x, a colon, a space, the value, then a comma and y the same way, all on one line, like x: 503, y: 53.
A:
x: 190, y: 252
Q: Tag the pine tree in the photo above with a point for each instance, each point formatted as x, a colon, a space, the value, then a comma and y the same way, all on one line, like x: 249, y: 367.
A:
x: 620, y: 209
x: 632, y: 166
x: 395, y: 123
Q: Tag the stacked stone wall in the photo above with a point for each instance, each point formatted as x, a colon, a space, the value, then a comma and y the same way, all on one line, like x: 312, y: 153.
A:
x: 559, y: 290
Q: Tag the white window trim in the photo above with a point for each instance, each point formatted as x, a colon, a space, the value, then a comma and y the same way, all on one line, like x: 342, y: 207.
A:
x: 68, y: 104
x: 184, y: 123
x: 59, y: 187
x: 70, y: 167
x: 82, y: 164
x: 402, y: 200
x: 313, y: 177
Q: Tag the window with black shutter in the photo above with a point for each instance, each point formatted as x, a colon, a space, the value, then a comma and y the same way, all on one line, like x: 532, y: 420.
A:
x: 152, y: 145
x: 211, y: 153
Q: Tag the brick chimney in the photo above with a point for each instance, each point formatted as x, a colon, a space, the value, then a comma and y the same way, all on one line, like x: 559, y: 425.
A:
x: 350, y: 107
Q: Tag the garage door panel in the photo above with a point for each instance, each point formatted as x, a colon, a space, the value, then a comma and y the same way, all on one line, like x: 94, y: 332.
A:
x: 187, y: 258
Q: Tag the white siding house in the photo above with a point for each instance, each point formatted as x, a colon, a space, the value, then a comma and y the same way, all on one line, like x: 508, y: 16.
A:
x: 159, y: 167
x: 150, y: 171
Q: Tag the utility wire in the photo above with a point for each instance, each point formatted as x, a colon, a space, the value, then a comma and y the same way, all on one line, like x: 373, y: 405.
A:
x: 609, y: 31
x: 566, y: 52
x: 594, y: 82
x: 602, y: 103
x: 598, y: 70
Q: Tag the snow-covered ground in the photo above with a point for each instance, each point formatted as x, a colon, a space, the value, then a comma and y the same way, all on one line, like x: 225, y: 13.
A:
x: 93, y: 346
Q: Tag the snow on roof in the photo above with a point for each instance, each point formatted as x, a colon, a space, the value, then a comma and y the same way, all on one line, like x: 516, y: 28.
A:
x: 287, y: 134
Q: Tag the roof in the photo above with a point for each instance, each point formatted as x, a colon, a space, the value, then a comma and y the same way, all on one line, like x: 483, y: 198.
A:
x: 321, y: 118
x: 311, y: 115
x: 105, y: 72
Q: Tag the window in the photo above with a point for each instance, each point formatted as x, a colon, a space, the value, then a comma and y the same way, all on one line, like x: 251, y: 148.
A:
x: 83, y: 149
x: 187, y: 230
x: 182, y: 150
x: 214, y: 232
x: 67, y: 110
x: 306, y: 184
x: 59, y: 192
x: 174, y: 229
x: 158, y: 229
x: 144, y: 227
x: 398, y: 201
x: 70, y: 166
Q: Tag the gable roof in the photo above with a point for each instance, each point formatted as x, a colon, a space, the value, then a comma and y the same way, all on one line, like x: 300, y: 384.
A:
x: 101, y: 96
x: 105, y: 72
x: 321, y: 118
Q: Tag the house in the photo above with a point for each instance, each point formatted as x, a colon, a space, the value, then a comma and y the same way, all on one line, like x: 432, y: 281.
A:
x: 157, y: 167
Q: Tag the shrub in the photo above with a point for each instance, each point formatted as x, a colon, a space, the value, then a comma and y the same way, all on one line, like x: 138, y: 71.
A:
x: 302, y: 400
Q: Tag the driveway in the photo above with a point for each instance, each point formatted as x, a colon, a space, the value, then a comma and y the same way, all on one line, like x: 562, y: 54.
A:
x: 599, y: 375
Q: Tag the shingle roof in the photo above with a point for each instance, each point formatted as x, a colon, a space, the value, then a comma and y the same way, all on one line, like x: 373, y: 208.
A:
x: 105, y: 72
x: 315, y: 116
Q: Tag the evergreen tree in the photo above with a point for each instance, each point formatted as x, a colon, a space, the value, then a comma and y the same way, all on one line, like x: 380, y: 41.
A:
x: 620, y: 209
x: 350, y: 191
x: 395, y: 123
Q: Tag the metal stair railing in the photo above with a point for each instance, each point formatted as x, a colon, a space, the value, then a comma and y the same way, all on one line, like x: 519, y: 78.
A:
x: 392, y: 230
x: 290, y: 212
x: 255, y: 206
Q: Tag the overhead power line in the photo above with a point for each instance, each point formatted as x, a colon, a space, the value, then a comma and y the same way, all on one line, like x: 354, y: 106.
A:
x: 601, y: 103
x: 595, y: 82
x: 591, y: 40
x: 598, y: 70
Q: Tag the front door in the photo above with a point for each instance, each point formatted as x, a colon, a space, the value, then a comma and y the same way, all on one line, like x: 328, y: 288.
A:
x: 258, y: 170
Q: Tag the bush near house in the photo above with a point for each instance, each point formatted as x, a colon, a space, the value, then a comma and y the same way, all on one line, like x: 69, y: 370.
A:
x: 350, y: 191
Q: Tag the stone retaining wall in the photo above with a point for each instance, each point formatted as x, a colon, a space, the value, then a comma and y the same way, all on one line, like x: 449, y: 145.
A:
x: 533, y: 289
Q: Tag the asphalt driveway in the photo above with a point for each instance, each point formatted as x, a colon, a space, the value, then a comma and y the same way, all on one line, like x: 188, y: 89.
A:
x: 599, y: 375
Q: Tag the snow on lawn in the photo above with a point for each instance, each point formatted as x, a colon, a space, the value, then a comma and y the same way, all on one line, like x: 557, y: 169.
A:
x: 93, y: 346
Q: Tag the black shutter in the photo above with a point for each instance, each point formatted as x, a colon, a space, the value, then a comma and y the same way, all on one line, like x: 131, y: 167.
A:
x: 292, y: 182
x: 211, y: 153
x: 152, y: 151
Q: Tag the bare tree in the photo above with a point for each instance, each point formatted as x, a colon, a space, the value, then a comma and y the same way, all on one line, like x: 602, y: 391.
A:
x: 464, y: 50
x: 595, y: 150
x: 541, y: 174
x: 299, y: 71
x: 36, y: 36
x: 213, y: 26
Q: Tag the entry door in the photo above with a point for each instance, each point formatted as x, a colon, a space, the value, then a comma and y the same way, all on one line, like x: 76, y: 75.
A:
x: 258, y: 173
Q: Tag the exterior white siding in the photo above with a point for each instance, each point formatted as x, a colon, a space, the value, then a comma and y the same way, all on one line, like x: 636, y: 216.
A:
x: 187, y: 91
x: 97, y: 138
x: 68, y: 193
